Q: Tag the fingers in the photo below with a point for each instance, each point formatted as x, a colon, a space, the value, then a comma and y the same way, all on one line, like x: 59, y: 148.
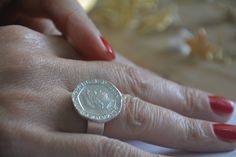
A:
x: 74, y: 145
x: 196, y: 103
x: 151, y: 88
x: 186, y: 101
x: 153, y: 124
x: 143, y: 121
x: 73, y: 22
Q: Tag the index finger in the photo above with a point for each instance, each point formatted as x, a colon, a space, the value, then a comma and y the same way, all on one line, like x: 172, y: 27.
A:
x: 73, y: 22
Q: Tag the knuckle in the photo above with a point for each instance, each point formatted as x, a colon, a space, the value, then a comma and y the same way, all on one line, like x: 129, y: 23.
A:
x: 139, y: 117
x: 21, y: 37
x: 135, y: 79
x: 190, y: 106
x: 194, y: 131
x: 11, y: 57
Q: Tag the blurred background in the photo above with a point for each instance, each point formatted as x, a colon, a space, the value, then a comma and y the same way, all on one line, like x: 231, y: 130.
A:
x: 191, y: 42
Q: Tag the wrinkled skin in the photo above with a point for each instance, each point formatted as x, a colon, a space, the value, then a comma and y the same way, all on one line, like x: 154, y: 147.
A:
x: 37, y: 75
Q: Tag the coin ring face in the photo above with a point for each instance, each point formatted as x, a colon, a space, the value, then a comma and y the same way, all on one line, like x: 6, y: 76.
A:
x: 97, y: 100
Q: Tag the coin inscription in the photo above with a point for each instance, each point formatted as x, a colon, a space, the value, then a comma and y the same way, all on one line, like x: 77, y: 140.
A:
x: 97, y: 100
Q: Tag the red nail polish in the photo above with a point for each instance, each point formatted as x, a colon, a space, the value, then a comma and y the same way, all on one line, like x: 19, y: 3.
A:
x: 108, y: 47
x: 225, y: 132
x: 221, y: 105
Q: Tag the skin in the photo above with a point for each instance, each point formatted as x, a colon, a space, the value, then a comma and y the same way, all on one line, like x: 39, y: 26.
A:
x: 39, y: 71
x: 38, y: 75
x: 59, y: 16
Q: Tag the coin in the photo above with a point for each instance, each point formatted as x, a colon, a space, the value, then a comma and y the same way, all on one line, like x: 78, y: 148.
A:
x: 97, y: 100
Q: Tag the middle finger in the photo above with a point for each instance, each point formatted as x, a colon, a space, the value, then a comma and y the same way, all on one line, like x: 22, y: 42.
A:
x: 130, y: 80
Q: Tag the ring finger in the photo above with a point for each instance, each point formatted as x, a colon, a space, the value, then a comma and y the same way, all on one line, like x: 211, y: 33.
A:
x: 151, y: 88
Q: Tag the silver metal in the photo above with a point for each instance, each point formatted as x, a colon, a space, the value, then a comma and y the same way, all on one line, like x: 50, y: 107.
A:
x: 97, y: 100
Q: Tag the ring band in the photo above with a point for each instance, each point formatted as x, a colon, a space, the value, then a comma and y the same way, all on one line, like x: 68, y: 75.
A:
x: 95, y: 128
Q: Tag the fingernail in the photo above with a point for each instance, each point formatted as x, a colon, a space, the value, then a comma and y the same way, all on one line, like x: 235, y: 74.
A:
x: 108, y: 47
x: 221, y: 105
x: 225, y: 132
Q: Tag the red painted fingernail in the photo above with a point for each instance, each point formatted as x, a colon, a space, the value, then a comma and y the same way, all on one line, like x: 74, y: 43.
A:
x: 108, y: 47
x: 225, y: 132
x: 221, y: 105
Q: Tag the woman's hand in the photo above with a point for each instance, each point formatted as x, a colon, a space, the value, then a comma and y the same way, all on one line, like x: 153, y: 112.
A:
x: 66, y: 15
x: 37, y: 118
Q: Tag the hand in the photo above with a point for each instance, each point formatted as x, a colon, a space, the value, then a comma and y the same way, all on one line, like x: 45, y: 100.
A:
x: 38, y: 74
x: 66, y: 15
